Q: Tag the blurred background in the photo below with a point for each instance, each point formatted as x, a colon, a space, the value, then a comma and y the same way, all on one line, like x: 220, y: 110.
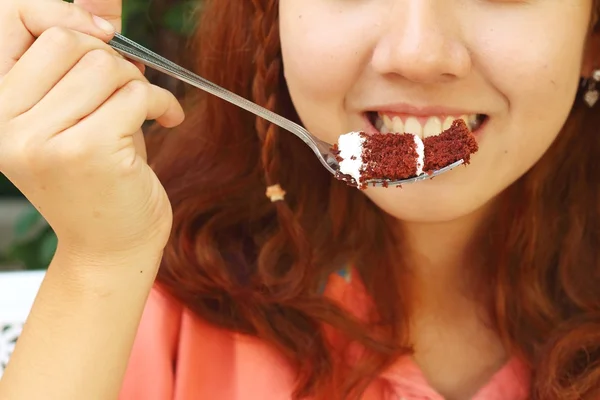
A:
x: 26, y: 240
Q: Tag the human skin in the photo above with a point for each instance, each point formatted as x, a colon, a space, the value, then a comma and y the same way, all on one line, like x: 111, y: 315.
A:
x: 518, y: 62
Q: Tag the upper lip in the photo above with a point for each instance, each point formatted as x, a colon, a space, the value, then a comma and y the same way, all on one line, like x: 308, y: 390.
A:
x: 420, y: 111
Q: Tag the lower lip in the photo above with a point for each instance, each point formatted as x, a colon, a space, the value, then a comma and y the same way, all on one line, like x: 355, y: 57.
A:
x: 371, y: 130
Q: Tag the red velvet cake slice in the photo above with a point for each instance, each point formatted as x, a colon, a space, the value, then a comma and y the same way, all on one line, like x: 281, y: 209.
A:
x: 365, y: 157
x: 392, y: 156
x: 451, y: 145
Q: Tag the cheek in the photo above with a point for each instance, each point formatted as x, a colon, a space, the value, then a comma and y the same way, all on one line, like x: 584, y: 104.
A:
x: 316, y: 87
x: 322, y: 61
x: 535, y: 66
x: 535, y: 63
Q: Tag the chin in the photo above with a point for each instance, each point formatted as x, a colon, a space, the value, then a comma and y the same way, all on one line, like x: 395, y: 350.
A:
x: 442, y: 199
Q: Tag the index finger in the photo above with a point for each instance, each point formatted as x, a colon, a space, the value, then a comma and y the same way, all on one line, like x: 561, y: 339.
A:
x: 21, y: 25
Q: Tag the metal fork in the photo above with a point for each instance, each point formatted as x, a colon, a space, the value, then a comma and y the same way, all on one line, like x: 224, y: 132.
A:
x: 137, y: 52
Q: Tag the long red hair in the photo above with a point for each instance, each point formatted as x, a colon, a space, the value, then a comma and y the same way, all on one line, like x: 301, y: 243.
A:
x: 246, y: 264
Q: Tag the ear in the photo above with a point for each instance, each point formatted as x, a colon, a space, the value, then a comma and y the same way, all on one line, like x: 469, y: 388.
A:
x: 591, y: 57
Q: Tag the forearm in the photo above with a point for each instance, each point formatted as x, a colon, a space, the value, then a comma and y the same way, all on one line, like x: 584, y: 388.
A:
x: 78, y: 337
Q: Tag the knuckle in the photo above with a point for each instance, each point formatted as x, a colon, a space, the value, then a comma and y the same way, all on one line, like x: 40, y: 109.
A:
x: 101, y: 60
x: 27, y: 155
x: 59, y: 37
x: 71, y: 153
x: 126, y: 71
x: 136, y: 89
x: 131, y: 70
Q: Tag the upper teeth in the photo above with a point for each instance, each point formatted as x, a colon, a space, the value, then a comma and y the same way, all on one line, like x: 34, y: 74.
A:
x: 425, y: 128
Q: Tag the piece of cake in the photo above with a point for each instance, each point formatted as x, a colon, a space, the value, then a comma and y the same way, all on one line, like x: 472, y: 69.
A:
x: 363, y: 157
x: 451, y: 145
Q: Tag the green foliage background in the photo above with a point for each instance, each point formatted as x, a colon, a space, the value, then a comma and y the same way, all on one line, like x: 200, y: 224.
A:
x: 161, y: 25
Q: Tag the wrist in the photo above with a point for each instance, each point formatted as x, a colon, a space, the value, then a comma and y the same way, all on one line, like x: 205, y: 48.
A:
x: 84, y: 267
x: 92, y: 256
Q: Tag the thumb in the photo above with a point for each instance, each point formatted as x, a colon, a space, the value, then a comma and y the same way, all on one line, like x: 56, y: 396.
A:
x: 110, y: 10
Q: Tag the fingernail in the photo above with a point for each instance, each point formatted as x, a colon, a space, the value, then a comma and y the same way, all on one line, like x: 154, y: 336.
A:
x: 104, y: 25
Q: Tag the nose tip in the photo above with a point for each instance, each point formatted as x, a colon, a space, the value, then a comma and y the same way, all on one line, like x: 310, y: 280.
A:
x: 421, y: 52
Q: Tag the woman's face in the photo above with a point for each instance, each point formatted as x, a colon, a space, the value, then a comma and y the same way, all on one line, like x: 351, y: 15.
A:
x: 517, y: 62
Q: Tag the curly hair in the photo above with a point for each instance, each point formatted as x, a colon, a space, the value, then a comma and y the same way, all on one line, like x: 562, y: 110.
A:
x: 246, y: 264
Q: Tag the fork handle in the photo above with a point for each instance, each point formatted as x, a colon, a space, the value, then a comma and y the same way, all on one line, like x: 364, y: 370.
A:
x: 139, y: 53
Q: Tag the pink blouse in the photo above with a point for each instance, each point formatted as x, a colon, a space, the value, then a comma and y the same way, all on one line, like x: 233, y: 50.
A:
x: 177, y: 356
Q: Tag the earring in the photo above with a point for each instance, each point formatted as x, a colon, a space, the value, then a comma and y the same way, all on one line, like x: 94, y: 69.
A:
x: 591, y: 94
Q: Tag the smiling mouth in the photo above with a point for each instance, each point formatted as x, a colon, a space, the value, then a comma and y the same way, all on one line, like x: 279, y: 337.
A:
x: 423, y: 127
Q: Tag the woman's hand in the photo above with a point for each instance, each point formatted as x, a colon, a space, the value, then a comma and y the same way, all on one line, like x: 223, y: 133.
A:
x: 71, y: 109
x: 70, y: 116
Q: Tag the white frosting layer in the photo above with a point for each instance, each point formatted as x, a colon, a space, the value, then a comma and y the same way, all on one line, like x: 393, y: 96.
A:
x: 351, y: 147
x: 420, y: 148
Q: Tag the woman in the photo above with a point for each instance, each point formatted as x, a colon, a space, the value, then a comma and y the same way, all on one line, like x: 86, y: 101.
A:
x: 481, y: 283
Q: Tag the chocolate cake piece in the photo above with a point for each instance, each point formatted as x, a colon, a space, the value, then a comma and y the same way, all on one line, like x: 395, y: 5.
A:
x: 392, y: 156
x: 453, y: 144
